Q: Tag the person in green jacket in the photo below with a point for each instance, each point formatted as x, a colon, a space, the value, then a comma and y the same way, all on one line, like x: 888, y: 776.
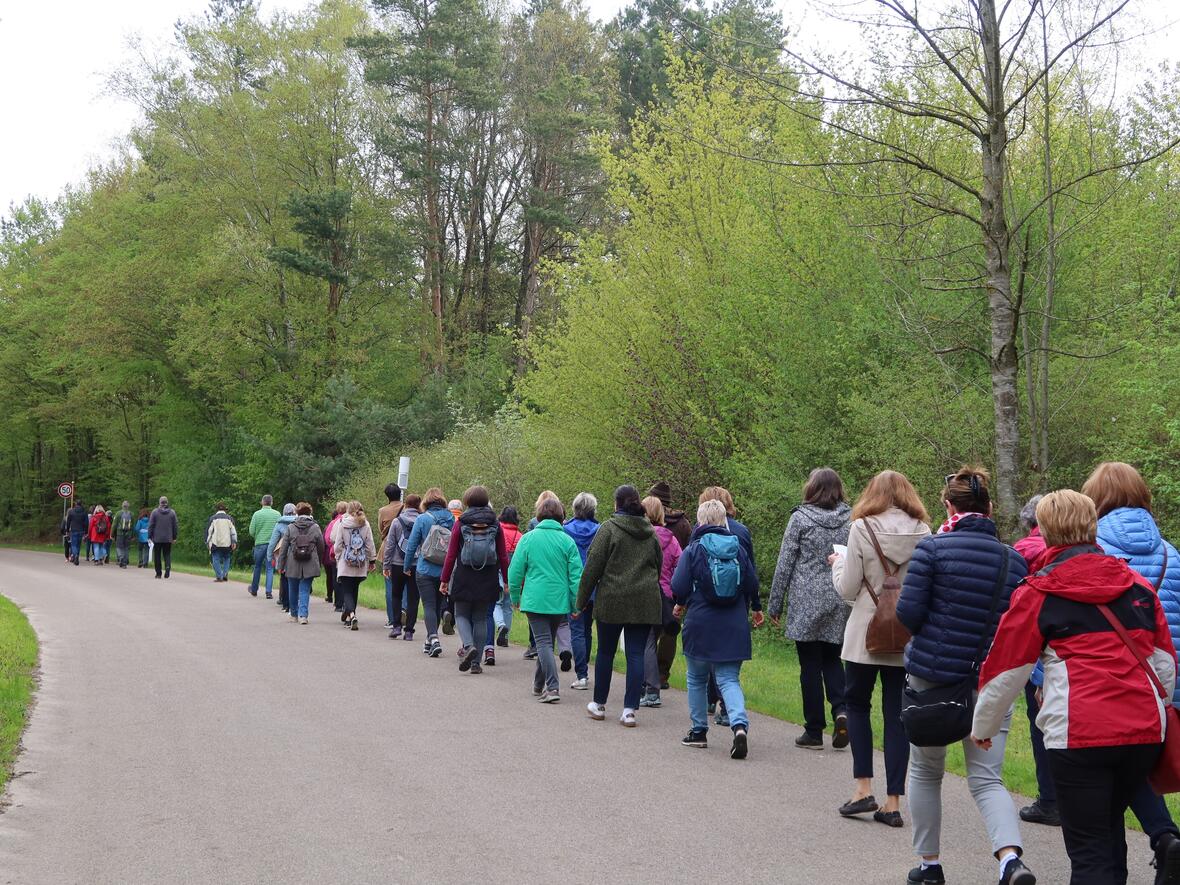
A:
x: 623, y: 563
x: 548, y: 559
x: 262, y: 526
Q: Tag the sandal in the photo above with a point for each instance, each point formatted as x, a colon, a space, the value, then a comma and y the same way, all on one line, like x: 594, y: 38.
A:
x: 889, y: 818
x: 860, y: 806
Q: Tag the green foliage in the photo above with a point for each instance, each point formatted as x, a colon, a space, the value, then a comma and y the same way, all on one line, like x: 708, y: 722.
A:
x: 18, y: 659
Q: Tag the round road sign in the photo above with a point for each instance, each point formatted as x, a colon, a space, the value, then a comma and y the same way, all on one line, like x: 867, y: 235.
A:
x: 65, y: 490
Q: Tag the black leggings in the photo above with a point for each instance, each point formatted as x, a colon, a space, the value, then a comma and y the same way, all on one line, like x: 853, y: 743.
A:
x: 412, y: 600
x: 348, y: 588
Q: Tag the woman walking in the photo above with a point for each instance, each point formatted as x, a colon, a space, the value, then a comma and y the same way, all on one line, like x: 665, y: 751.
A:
x: 476, y: 565
x: 301, y: 551
x: 100, y: 534
x: 582, y: 528
x: 394, y: 568
x: 356, y: 556
x: 329, y: 564
x: 957, y: 587
x: 502, y: 610
x: 276, y: 535
x: 624, y: 565
x: 543, y: 581
x: 816, y: 614
x: 890, y: 515
x: 426, y: 552
x: 1105, y: 690
x: 670, y: 551
x: 141, y: 532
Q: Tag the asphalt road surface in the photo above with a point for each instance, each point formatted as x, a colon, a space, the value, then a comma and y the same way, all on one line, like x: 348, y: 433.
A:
x: 185, y: 732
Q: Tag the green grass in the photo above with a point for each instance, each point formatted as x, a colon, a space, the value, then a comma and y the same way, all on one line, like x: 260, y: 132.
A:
x: 18, y: 660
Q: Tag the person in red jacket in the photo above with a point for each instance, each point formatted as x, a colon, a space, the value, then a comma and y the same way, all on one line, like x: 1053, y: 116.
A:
x: 100, y: 534
x: 1103, y: 707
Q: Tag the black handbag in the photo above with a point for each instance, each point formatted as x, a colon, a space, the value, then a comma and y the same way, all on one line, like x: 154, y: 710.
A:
x: 943, y: 715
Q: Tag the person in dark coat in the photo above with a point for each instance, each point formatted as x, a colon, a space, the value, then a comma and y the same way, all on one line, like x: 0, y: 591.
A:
x: 301, y: 551
x: 163, y: 531
x: 946, y: 603
x: 716, y: 624
x: 77, y: 525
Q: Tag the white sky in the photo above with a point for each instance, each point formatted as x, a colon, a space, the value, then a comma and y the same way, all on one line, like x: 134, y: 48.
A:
x: 55, y: 56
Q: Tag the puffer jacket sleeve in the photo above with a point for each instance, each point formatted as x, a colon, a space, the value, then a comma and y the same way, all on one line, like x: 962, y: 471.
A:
x: 1014, y: 653
x: 913, y: 605
x: 750, y: 584
x: 1163, y: 655
x: 1169, y: 595
x: 788, y: 555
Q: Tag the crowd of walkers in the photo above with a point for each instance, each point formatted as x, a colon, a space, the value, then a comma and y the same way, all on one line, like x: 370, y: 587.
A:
x: 948, y: 626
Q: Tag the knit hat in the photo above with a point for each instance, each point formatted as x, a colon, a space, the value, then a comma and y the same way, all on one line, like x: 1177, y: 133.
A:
x: 662, y: 491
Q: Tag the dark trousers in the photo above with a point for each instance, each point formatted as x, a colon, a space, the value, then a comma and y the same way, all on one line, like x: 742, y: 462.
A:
x: 665, y: 653
x: 860, y: 680
x: 329, y: 580
x: 413, y: 600
x: 284, y: 592
x: 582, y: 640
x: 1152, y: 812
x: 347, y: 589
x: 123, y: 549
x: 143, y: 554
x: 820, y: 672
x: 400, y: 583
x: 162, y: 552
x: 635, y: 642
x: 1094, y: 788
x: 1045, y: 790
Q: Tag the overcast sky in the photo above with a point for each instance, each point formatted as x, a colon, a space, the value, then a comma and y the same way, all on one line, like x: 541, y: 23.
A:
x: 55, y: 56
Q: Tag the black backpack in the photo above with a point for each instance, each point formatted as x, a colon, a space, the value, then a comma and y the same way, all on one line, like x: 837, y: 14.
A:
x: 303, y: 544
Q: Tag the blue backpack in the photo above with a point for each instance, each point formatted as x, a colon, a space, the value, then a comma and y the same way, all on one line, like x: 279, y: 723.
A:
x: 721, y: 555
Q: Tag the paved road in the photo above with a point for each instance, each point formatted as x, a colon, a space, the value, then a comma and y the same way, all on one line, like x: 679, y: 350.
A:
x: 185, y: 732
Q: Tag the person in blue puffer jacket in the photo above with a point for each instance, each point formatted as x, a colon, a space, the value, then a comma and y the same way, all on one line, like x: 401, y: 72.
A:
x: 946, y: 603
x: 1127, y: 529
x: 582, y: 528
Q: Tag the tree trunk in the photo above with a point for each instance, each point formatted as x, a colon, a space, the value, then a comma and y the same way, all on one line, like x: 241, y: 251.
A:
x: 530, y: 287
x: 1042, y: 428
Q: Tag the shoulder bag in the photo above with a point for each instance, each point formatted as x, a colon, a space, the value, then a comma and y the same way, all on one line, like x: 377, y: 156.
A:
x: 941, y: 716
x: 885, y: 635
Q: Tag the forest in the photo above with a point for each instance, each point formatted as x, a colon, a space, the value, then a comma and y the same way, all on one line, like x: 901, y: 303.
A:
x: 538, y: 251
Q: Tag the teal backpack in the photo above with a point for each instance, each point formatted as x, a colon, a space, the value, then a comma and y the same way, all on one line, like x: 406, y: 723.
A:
x: 721, y: 554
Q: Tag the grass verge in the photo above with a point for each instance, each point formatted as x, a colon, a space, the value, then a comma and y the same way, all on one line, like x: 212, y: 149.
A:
x: 18, y: 661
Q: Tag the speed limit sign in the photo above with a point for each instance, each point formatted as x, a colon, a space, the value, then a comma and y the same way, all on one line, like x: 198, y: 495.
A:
x: 65, y: 490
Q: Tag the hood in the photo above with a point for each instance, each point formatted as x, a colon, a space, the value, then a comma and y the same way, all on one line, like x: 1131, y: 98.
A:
x: 636, y: 526
x: 479, y: 516
x: 582, y: 529
x: 412, y: 512
x: 720, y: 544
x: 1085, y: 574
x: 347, y: 520
x: 303, y: 521
x: 701, y: 530
x: 1131, y: 530
x: 549, y: 525
x: 898, y: 534
x: 666, y: 538
x: 163, y: 508
x: 674, y: 517
x: 828, y: 519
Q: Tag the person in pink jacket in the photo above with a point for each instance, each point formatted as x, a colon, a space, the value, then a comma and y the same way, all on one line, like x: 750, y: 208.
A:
x: 330, y: 554
x: 670, y: 547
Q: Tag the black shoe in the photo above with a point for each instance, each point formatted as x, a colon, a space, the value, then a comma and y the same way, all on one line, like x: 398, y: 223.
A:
x: 694, y: 738
x: 740, y: 745
x: 489, y: 658
x: 476, y: 668
x: 157, y: 577
x: 270, y: 596
x: 1167, y: 860
x: 502, y: 637
x: 530, y: 654
x: 889, y: 818
x: 468, y: 659
x: 840, y: 733
x: 664, y: 684
x: 807, y: 741
x: 448, y: 623
x: 1040, y: 813
x: 928, y: 876
x: 567, y: 661
x: 860, y: 806
x: 168, y: 574
x: 1016, y: 873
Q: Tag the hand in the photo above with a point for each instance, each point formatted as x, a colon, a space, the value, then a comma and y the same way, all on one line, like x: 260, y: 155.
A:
x: 774, y: 619
x: 983, y: 744
x: 516, y: 607
x: 759, y: 619
x: 573, y: 615
x: 444, y: 589
x: 677, y: 611
x: 407, y: 574
x: 1040, y: 696
x: 386, y: 573
x: 832, y: 557
x: 373, y: 566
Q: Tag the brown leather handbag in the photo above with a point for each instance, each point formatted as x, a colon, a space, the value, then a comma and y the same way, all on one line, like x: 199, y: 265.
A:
x: 886, y: 635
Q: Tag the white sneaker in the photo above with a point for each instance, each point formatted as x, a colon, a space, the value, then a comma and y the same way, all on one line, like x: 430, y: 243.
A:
x: 596, y: 711
x: 303, y: 620
x: 580, y: 684
x: 628, y: 718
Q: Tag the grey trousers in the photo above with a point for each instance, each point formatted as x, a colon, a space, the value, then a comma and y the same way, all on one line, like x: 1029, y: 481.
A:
x: 984, y: 779
x: 651, y: 663
x: 545, y: 629
x: 471, y: 619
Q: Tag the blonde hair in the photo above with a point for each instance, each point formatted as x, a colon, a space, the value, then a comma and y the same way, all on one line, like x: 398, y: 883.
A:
x: 1066, y: 518
x: 654, y: 508
x: 1115, y: 484
x: 341, y: 508
x: 717, y: 493
x: 889, y: 489
x: 712, y: 512
x: 543, y: 497
x: 357, y: 511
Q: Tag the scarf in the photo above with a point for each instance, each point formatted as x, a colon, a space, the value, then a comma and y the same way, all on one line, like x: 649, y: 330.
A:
x: 952, y: 522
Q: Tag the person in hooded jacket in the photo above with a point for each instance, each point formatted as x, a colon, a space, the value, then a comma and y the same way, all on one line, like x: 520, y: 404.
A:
x: 582, y: 528
x: 356, y: 556
x: 163, y: 530
x: 123, y: 531
x: 428, y: 575
x: 405, y: 593
x: 502, y: 610
x: 476, y: 567
x: 957, y: 587
x: 221, y: 538
x: 677, y: 522
x: 1105, y: 691
x: 385, y: 517
x: 816, y: 614
x: 716, y: 622
x: 890, y: 506
x: 301, y: 551
x: 329, y: 563
x: 623, y: 569
x: 100, y: 534
x: 77, y: 525
x: 276, y: 535
x: 141, y: 531
x: 1127, y: 530
x: 671, y: 550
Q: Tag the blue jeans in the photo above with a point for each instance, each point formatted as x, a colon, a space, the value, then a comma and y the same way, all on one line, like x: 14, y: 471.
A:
x: 634, y: 641
x: 502, y: 611
x: 261, y: 562
x: 300, y: 591
x: 728, y: 682
x: 1152, y: 813
x: 75, y: 544
x: 221, y: 559
x: 582, y: 640
x: 98, y: 551
x: 491, y: 628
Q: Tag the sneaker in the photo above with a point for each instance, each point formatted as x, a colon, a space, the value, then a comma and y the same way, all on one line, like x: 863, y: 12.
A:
x: 567, y: 661
x: 303, y: 620
x: 354, y: 624
x: 712, y: 709
x: 538, y: 690
x: 722, y: 719
x: 388, y: 625
x: 550, y: 697
x: 502, y: 637
x: 931, y: 875
x: 627, y: 720
x: 468, y: 659
x: 651, y: 699
x: 448, y: 623
x: 426, y: 647
x: 395, y: 631
x: 1040, y: 813
x: 270, y: 596
x: 694, y: 738
x: 408, y: 635
x: 597, y: 711
x: 489, y: 657
x: 530, y: 653
x: 475, y: 667
x: 840, y: 733
x: 740, y: 745
x: 807, y: 741
x: 1016, y: 873
x: 294, y: 618
x: 435, y: 648
x: 581, y: 684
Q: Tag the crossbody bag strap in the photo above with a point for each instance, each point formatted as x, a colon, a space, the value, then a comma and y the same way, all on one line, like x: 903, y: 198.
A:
x: 1131, y: 647
x: 1001, y: 583
x: 885, y: 561
x: 1163, y: 571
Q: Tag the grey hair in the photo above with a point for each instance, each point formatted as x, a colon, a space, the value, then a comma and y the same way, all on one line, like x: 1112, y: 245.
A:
x: 712, y: 513
x: 163, y: 501
x: 585, y: 505
x: 267, y: 500
x: 288, y: 510
x: 455, y: 504
x: 1028, y: 513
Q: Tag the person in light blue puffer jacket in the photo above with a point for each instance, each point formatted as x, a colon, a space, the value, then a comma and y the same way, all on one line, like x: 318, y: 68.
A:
x: 1127, y: 529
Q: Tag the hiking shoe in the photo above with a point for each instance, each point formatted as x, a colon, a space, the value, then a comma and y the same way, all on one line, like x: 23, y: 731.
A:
x: 354, y: 624
x: 840, y: 733
x: 1016, y: 873
x: 475, y: 667
x: 567, y: 661
x: 408, y: 635
x: 435, y: 648
x: 650, y: 700
x: 468, y: 659
x: 722, y: 719
x: 1167, y: 860
x: 931, y: 875
x: 807, y: 741
x: 740, y: 745
x: 303, y: 620
x: 448, y: 623
x: 530, y: 653
x: 694, y: 738
x: 395, y: 631
x: 580, y: 684
x: 502, y: 637
x: 627, y: 720
x: 597, y: 711
x: 294, y: 618
x: 489, y: 657
x: 550, y: 697
x: 852, y: 808
x: 1040, y: 813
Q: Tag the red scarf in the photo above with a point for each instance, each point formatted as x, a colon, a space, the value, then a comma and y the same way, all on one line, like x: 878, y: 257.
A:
x: 952, y: 522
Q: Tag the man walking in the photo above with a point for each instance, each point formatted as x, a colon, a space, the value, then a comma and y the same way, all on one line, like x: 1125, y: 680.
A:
x: 124, y: 534
x: 77, y: 525
x: 262, y: 526
x: 222, y: 539
x: 385, y: 517
x: 163, y: 531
